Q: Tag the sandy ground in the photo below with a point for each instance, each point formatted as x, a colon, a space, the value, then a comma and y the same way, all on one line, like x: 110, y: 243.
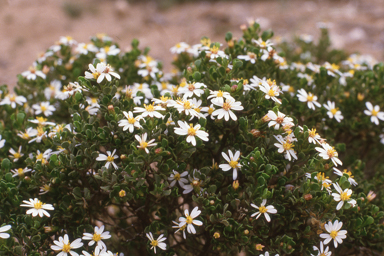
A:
x: 29, y: 27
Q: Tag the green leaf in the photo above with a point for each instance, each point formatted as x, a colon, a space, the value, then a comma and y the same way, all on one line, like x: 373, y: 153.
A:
x: 197, y: 76
x: 6, y: 164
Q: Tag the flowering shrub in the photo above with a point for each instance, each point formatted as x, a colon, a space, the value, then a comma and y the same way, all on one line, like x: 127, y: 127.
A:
x: 110, y: 154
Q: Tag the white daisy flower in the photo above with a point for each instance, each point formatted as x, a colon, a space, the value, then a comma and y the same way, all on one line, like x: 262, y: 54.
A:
x: 33, y: 73
x: 69, y: 90
x: 3, y: 229
x: 97, y: 252
x: 219, y: 96
x: 149, y: 110
x: 41, y: 134
x: 309, y: 98
x: 263, y: 44
x: 342, y: 196
x: 177, y: 225
x: 53, y: 89
x: 41, y: 121
x: 325, y: 181
x: 215, y: 52
x: 288, y: 88
x: 191, y: 131
x: 285, y: 146
x: 143, y: 142
x: 233, y: 162
x: 328, y: 152
x: 226, y: 110
x: 107, y: 51
x: 279, y: 119
x: 107, y: 72
x: 13, y: 99
x: 65, y: 247
x: 44, y: 107
x: 321, y: 251
x: 313, y: 137
x: 351, y: 180
x: 37, y: 207
x: 15, y: 155
x: 251, y: 57
x: 267, y: 254
x: 141, y: 87
x: 130, y: 122
x: 20, y: 172
x: 179, y: 48
x: 270, y: 89
x: 110, y: 159
x: 189, y: 220
x: 334, y: 233
x: 177, y: 177
x: 333, y: 112
x: 255, y: 82
x: 262, y: 209
x: 83, y: 48
x: 209, y: 110
x: 149, y: 71
x: 192, y: 89
x: 194, y: 184
x: 67, y: 40
x: 187, y: 106
x: 374, y: 112
x: 2, y: 142
x: 97, y: 237
x: 147, y: 61
x: 96, y: 72
x: 158, y: 242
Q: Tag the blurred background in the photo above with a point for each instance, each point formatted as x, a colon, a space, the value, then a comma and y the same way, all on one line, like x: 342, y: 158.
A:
x: 29, y: 27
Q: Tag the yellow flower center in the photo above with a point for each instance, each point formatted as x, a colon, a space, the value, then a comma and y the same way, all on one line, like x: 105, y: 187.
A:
x: 46, y: 187
x: 205, y: 41
x: 183, y: 227
x: 220, y: 94
x: 96, y: 237
x: 291, y: 89
x: 187, y: 105
x: 164, y: 85
x: 233, y: 164
x: 40, y: 131
x: 143, y: 144
x: 374, y: 112
x: 39, y: 156
x: 263, y: 44
x: 16, y: 155
x: 279, y: 119
x: 333, y: 111
x: 12, y: 98
x: 271, y: 92
x: 333, y: 234
x: 287, y: 146
x: 334, y: 67
x: 110, y: 158
x: 214, y: 49
x: 312, y: 133
x: 175, y: 89
x: 38, y: 205
x: 43, y: 108
x: 106, y: 49
x: 149, y: 108
x: 66, y: 247
x: 310, y: 97
x: 131, y: 120
x: 320, y: 176
x: 226, y: 106
x: 210, y: 110
x: 96, y: 75
x: 331, y: 152
x: 20, y: 171
x: 251, y: 55
x: 262, y: 209
x: 191, y: 87
x: 326, y: 185
x: 41, y: 120
x: 25, y: 136
x: 344, y: 196
x: 177, y: 176
x: 189, y: 220
x: 195, y: 183
x: 191, y: 131
x: 348, y: 172
x: 154, y: 243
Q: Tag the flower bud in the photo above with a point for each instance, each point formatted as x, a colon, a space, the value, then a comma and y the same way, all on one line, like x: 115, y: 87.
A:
x: 307, y: 197
x: 234, y: 88
x: 246, y: 232
x: 48, y: 229
x: 68, y: 66
x: 243, y: 27
x: 360, y: 96
x: 45, y: 69
x: 123, y: 157
x: 189, y: 70
x: 231, y: 44
x: 216, y: 235
x: 235, y: 184
x: 158, y: 150
x: 256, y: 133
x: 133, y: 172
x: 115, y: 137
x: 122, y: 193
x: 252, y: 159
x: 111, y: 108
x: 212, y: 202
